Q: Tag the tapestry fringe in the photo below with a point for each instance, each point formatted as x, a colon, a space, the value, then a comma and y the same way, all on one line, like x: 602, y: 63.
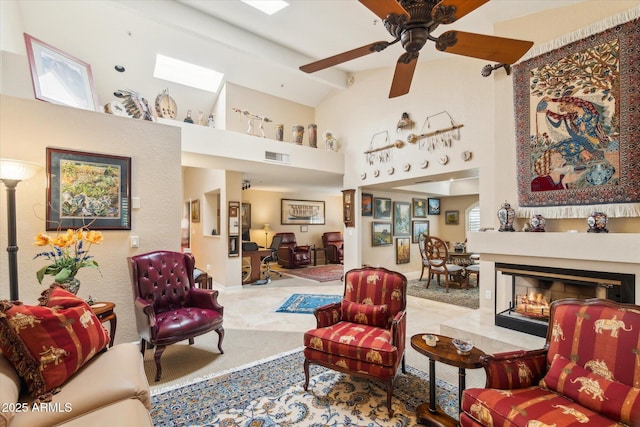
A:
x: 617, y: 210
x: 582, y: 33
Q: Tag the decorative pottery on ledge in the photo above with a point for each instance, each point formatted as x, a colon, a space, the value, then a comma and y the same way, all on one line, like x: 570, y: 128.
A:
x: 506, y: 215
x: 537, y: 223
x: 597, y: 223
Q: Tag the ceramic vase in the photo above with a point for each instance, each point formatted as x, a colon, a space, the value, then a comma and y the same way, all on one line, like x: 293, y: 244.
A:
x: 506, y: 215
x: 72, y: 285
x: 312, y: 130
x: 597, y: 223
x: 298, y: 134
x: 279, y: 132
x: 537, y: 223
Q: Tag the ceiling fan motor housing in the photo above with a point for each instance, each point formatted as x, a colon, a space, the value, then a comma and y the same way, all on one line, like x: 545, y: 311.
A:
x: 414, y: 30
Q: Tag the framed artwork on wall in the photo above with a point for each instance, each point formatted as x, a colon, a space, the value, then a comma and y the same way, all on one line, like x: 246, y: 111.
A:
x: 419, y: 227
x: 381, y: 234
x: 401, y: 219
x: 195, y: 210
x: 60, y: 78
x: 301, y: 212
x: 246, y: 216
x: 367, y: 204
x: 419, y: 208
x: 433, y: 206
x: 452, y: 217
x: 88, y: 189
x: 381, y: 208
x: 403, y: 250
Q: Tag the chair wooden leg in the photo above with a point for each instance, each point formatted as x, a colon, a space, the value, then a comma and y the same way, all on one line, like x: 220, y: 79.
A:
x: 156, y: 357
x: 404, y: 364
x: 220, y: 332
x: 191, y: 341
x: 306, y: 374
x: 143, y: 346
x: 389, y: 396
x: 421, y: 273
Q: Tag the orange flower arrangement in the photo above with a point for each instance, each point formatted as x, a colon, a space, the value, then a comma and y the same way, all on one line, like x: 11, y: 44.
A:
x: 69, y: 253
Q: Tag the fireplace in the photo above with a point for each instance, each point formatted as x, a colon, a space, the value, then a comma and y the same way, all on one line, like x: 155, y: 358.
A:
x: 531, y: 289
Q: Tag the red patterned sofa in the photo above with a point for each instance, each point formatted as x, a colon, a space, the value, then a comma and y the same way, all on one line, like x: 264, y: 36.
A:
x: 364, y: 334
x: 588, y: 373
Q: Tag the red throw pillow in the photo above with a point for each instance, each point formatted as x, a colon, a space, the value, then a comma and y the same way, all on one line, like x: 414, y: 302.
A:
x: 612, y: 399
x: 365, y: 314
x: 49, y: 342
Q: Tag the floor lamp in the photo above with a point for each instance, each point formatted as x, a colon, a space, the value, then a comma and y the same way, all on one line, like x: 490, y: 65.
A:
x: 266, y: 228
x: 11, y: 173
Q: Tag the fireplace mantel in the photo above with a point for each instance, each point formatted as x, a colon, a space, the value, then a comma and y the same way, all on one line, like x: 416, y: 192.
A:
x: 594, y: 247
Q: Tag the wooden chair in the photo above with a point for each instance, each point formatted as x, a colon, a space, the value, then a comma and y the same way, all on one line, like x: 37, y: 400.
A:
x: 435, y: 257
x: 364, y: 334
x: 473, y: 268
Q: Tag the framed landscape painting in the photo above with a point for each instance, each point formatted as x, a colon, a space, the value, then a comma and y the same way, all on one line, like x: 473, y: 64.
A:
x: 367, y: 204
x: 401, y: 219
x: 381, y: 208
x: 88, y: 189
x: 433, y: 206
x: 302, y: 212
x: 419, y: 208
x: 381, y: 234
x: 403, y: 250
x: 419, y: 227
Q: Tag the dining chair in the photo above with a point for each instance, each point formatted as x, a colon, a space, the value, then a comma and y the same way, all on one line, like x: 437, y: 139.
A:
x: 435, y: 258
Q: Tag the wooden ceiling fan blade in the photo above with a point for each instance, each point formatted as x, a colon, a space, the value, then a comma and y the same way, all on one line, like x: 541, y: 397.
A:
x: 402, y: 77
x: 482, y: 46
x: 344, y: 57
x: 441, y: 11
x: 383, y: 8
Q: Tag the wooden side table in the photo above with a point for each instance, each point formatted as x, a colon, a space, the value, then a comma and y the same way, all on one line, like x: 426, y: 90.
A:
x: 104, y: 311
x: 445, y: 352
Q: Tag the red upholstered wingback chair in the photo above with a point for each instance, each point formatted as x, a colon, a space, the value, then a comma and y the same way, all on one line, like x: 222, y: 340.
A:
x: 333, y: 244
x: 588, y: 372
x: 168, y: 307
x: 290, y: 255
x: 364, y: 335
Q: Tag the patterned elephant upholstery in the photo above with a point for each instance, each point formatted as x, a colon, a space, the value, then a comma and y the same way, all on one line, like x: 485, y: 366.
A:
x: 364, y: 334
x: 588, y: 373
x: 168, y: 307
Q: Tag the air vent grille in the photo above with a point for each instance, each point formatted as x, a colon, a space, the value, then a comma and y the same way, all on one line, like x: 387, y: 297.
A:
x: 272, y: 156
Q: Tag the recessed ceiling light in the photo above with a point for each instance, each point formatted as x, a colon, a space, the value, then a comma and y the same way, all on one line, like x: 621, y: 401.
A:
x: 267, y: 6
x: 185, y: 73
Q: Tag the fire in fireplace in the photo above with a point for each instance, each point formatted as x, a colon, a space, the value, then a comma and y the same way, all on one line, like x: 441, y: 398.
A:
x: 533, y: 288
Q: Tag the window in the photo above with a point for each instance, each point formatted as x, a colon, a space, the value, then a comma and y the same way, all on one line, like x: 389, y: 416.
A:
x: 473, y: 218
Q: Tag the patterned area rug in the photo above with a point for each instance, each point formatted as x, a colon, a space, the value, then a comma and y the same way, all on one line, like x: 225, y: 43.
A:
x: 270, y: 393
x: 469, y: 298
x: 306, y: 303
x: 321, y: 273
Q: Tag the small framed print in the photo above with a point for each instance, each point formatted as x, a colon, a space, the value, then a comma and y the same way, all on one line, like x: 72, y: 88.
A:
x: 195, y: 210
x: 381, y: 234
x: 381, y: 208
x: 419, y: 208
x: 433, y: 206
x: 403, y: 250
x: 452, y: 217
x: 367, y: 204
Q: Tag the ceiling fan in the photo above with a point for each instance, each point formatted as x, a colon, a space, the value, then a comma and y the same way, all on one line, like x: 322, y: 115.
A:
x: 411, y: 23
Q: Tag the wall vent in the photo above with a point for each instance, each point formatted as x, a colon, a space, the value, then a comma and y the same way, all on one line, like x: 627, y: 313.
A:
x: 272, y: 156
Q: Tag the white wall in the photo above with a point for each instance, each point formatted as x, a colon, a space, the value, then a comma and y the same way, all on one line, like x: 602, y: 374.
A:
x: 26, y: 129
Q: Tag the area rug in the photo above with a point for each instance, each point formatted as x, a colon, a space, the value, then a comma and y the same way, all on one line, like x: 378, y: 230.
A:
x: 469, y: 298
x: 306, y: 303
x: 270, y: 393
x: 321, y: 273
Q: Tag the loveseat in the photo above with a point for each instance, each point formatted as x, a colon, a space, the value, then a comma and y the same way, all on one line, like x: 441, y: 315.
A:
x: 45, y: 382
x: 588, y: 373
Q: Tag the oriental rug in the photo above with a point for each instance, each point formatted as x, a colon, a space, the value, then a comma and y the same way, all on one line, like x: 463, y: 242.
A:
x: 306, y: 303
x: 321, y: 273
x: 469, y: 298
x: 578, y: 143
x: 270, y: 393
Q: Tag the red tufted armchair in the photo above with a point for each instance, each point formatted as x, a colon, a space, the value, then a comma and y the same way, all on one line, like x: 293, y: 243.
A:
x: 333, y: 244
x: 364, y: 335
x: 290, y: 255
x: 168, y: 307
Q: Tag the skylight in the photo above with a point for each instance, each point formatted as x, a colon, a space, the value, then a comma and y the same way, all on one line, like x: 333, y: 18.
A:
x: 267, y: 6
x: 187, y: 74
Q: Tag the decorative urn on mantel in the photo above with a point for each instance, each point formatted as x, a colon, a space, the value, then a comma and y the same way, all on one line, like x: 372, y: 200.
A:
x: 506, y: 215
x: 537, y: 223
x: 597, y: 223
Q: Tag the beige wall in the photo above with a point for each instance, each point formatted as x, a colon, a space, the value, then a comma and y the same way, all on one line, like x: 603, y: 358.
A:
x: 26, y: 129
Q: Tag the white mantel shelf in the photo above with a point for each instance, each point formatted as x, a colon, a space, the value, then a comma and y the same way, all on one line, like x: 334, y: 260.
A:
x: 598, y: 247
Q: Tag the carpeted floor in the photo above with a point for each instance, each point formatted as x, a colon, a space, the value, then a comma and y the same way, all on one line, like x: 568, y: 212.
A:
x: 270, y: 393
x: 320, y: 273
x: 469, y: 298
x: 306, y: 303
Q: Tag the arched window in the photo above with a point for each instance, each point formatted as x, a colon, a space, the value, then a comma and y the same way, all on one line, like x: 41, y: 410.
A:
x: 473, y: 218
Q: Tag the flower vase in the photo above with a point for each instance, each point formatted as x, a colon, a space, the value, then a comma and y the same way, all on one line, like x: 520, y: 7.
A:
x: 72, y: 285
